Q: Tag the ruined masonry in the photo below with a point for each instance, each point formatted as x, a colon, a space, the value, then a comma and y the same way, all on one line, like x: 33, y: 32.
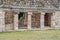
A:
x: 29, y: 15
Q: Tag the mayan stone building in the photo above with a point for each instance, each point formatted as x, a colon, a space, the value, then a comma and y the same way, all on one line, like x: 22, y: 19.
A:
x: 29, y: 14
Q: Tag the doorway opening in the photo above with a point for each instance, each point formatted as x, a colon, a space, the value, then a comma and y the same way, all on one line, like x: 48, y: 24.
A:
x: 22, y: 18
x: 20, y: 15
x: 47, y: 19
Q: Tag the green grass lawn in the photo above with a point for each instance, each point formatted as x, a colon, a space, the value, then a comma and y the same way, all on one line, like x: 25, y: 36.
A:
x: 31, y: 35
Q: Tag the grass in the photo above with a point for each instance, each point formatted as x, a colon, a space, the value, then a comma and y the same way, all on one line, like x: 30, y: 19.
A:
x: 31, y: 35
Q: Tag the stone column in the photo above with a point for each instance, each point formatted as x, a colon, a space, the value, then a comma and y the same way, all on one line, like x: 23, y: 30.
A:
x: 29, y: 20
x: 53, y: 20
x: 2, y: 21
x: 42, y: 20
x: 57, y: 19
x: 16, y: 22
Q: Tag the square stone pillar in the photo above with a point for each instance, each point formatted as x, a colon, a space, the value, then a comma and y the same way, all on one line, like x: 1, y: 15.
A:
x: 42, y: 20
x: 53, y: 20
x: 57, y: 19
x: 16, y: 22
x: 29, y: 20
x: 2, y: 21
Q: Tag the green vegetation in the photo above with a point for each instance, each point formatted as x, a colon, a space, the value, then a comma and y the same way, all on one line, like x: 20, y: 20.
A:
x: 31, y: 35
x: 22, y: 0
x: 20, y: 15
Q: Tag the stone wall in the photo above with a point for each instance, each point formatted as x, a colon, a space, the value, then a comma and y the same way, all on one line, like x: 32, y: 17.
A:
x: 35, y: 20
x: 9, y: 20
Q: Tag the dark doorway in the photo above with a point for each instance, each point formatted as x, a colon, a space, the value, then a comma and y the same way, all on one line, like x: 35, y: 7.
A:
x: 22, y: 18
x: 20, y: 15
x: 47, y: 20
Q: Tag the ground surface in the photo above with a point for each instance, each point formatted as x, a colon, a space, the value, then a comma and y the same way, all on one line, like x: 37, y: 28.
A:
x: 31, y: 35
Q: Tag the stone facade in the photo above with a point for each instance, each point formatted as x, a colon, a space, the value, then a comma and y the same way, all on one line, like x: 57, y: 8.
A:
x: 30, y: 20
x: 38, y: 14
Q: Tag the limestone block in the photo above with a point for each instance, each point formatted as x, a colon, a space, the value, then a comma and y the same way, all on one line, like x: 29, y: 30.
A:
x: 9, y: 27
